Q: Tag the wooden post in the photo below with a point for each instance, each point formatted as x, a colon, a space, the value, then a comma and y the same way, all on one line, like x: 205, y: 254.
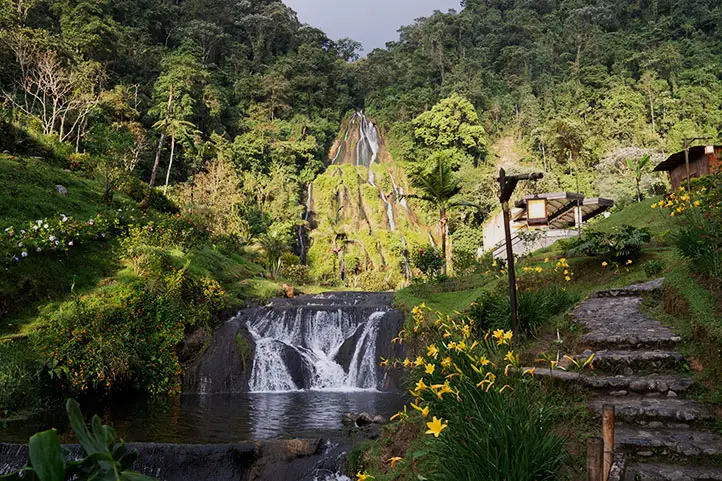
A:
x: 595, y: 457
x: 511, y: 270
x: 608, y: 436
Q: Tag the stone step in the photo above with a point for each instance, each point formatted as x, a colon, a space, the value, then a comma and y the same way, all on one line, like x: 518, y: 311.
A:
x: 627, y: 361
x: 673, y: 444
x: 633, y: 290
x: 617, y: 323
x: 659, y: 412
x: 621, y: 385
x: 672, y: 472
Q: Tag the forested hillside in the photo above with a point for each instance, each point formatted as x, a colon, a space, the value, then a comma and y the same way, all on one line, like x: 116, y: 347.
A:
x: 575, y: 87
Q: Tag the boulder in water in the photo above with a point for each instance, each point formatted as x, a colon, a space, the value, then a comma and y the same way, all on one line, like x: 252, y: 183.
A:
x: 364, y: 419
x: 348, y: 419
x: 379, y: 419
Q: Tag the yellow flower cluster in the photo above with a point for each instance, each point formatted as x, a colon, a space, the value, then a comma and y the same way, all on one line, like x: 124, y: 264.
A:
x: 563, y: 267
x: 451, y: 361
x: 680, y: 202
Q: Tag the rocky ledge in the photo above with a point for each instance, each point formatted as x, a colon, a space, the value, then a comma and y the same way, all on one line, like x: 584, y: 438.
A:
x: 273, y: 460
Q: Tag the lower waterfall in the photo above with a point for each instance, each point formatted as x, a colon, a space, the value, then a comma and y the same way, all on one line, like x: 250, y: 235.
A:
x: 331, y: 342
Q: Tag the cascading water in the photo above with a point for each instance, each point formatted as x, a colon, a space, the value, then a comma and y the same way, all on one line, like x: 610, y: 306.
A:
x: 369, y: 144
x: 389, y: 211
x: 326, y: 342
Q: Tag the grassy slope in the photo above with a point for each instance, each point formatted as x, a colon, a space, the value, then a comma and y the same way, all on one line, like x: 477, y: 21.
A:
x: 31, y: 194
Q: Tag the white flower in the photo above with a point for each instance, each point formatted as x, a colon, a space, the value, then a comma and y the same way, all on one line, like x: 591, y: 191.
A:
x: 24, y: 254
x: 57, y: 243
x: 39, y: 249
x: 91, y: 222
x: 22, y: 232
x: 35, y: 227
x: 70, y: 243
x: 7, y: 229
x: 63, y: 218
x: 39, y: 222
x: 20, y: 244
x: 52, y: 238
x: 45, y: 226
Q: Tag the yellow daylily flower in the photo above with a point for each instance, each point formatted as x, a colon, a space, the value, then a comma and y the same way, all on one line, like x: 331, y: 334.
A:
x: 546, y: 259
x: 432, y: 351
x: 363, y: 476
x: 629, y: 261
x: 419, y: 361
x: 421, y: 386
x: 446, y: 362
x: 395, y: 460
x: 539, y: 269
x: 567, y: 278
x: 424, y: 411
x: 605, y: 264
x: 408, y: 363
x: 436, y: 426
x: 529, y: 371
x: 430, y: 368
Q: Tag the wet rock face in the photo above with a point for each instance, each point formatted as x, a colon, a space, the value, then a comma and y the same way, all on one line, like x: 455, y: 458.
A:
x: 333, y: 340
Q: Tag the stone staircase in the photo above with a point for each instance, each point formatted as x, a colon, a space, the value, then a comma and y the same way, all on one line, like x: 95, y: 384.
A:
x: 661, y: 434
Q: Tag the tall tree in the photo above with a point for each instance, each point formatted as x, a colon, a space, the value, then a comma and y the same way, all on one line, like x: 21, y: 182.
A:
x: 438, y: 186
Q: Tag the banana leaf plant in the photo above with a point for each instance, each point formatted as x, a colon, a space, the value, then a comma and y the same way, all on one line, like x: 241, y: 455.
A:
x: 105, y: 459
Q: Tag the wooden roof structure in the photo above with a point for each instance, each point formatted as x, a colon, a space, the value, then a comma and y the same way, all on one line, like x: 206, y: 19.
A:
x: 677, y: 159
x: 560, y: 208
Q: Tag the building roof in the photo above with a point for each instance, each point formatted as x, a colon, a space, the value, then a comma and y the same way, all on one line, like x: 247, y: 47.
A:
x: 677, y: 159
x: 560, y: 207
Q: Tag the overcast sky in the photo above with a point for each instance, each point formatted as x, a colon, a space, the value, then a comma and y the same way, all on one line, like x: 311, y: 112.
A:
x: 371, y: 22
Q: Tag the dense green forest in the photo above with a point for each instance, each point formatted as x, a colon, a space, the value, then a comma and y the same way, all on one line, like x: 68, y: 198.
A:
x: 205, y: 121
x: 141, y: 84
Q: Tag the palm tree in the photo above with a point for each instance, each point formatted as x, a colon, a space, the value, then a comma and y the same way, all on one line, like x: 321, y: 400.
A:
x: 273, y: 245
x: 438, y: 186
x: 175, y: 128
x: 636, y: 166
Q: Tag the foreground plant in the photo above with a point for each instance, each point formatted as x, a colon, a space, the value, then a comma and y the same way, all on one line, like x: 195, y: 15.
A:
x: 106, y: 460
x: 484, y: 414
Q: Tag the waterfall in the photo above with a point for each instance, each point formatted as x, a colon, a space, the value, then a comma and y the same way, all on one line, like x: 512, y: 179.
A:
x: 324, y: 342
x: 310, y: 341
x: 369, y: 143
x: 399, y: 194
x: 389, y: 211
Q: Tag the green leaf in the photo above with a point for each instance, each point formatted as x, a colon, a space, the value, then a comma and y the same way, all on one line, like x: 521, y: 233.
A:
x: 13, y: 477
x: 133, y: 476
x: 46, y: 456
x: 78, y: 424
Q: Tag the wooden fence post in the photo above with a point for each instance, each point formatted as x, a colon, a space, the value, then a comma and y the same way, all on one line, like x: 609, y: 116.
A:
x: 608, y: 436
x: 595, y: 457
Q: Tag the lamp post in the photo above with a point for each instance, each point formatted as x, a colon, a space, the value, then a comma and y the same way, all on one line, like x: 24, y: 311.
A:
x: 507, y: 184
x: 687, y: 142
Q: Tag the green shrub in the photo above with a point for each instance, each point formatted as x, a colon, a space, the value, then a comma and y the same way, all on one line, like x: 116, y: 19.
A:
x: 535, y: 307
x: 374, y: 281
x: 428, y: 260
x: 699, y: 234
x: 464, y: 260
x: 653, y: 268
x: 124, y: 337
x: 622, y: 244
x: 297, y: 274
x: 22, y: 377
